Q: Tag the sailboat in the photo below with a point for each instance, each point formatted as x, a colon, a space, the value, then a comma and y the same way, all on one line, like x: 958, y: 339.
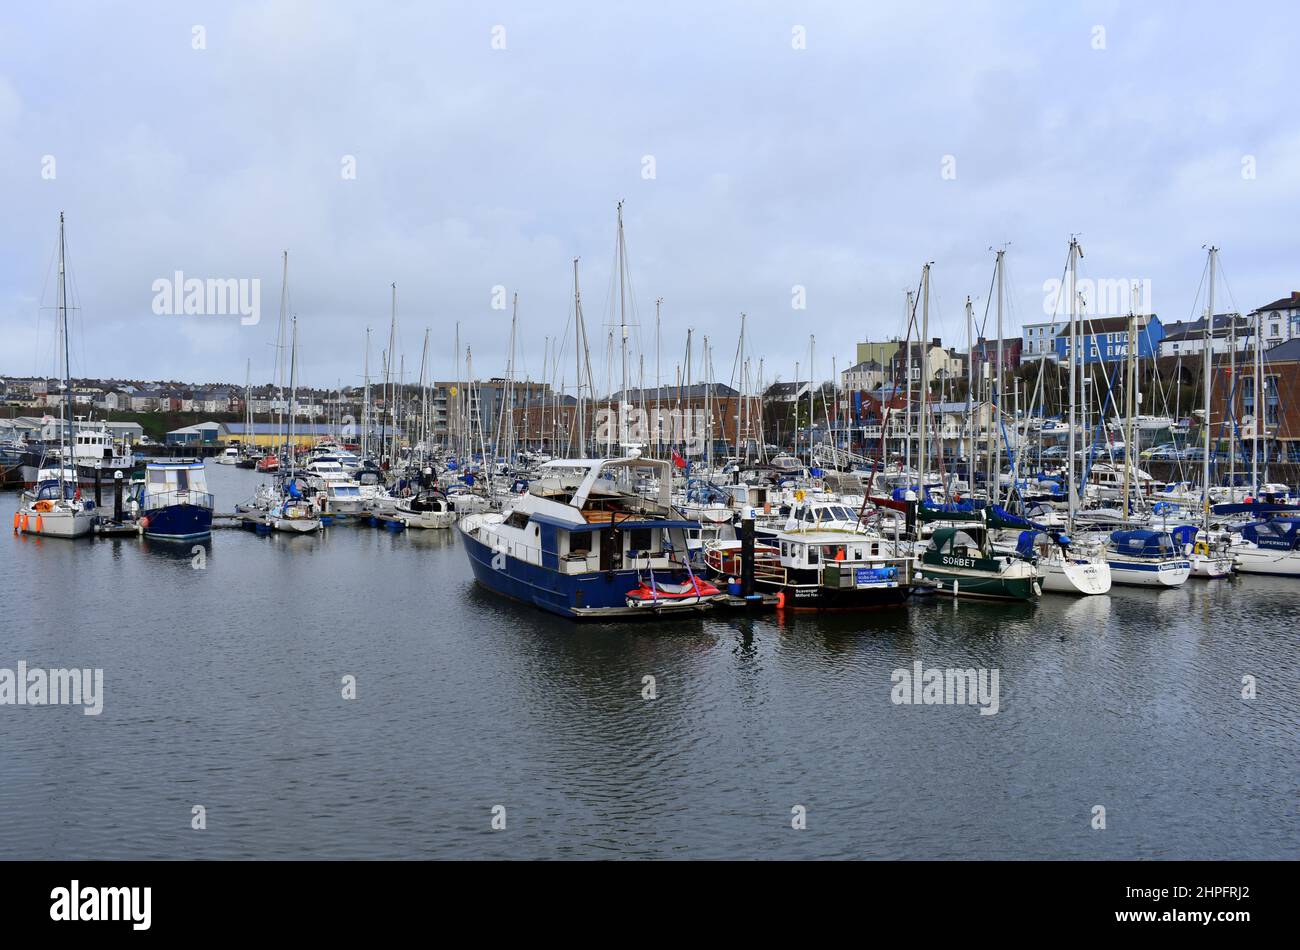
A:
x: 55, y: 507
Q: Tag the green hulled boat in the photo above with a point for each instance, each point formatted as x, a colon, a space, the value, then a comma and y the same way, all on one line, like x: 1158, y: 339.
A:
x: 962, y: 562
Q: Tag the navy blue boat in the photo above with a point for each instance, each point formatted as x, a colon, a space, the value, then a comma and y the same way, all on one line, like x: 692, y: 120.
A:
x: 174, y: 501
x: 583, y: 542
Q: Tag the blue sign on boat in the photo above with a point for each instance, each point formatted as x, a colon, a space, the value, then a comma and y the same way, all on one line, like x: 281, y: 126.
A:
x: 868, y: 575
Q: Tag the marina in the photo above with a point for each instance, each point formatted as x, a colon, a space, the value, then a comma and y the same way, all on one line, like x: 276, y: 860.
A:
x: 837, y: 439
x: 1131, y: 698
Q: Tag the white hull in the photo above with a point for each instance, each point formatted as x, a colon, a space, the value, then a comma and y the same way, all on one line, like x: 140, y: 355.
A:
x: 57, y: 524
x: 426, y: 519
x: 1210, y: 566
x: 1150, y: 574
x: 1264, y: 561
x: 295, y: 525
x: 1074, y: 577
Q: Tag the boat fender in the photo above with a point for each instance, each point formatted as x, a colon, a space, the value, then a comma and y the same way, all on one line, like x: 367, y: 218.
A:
x: 24, y: 524
x: 144, y: 523
x: 780, y: 600
x: 16, y: 520
x: 40, y: 526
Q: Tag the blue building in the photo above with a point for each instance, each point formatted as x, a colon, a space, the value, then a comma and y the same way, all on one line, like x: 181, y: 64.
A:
x: 1106, y: 340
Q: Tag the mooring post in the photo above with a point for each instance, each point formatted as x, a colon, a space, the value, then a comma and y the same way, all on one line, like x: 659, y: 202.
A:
x: 746, y: 556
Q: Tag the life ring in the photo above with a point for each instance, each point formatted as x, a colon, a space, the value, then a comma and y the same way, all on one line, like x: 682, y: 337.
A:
x: 1201, y: 548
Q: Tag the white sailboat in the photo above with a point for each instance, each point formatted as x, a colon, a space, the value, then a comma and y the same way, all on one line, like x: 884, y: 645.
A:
x: 55, y: 508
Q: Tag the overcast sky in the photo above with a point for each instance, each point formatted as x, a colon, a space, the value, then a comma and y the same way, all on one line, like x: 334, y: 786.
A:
x: 1149, y: 129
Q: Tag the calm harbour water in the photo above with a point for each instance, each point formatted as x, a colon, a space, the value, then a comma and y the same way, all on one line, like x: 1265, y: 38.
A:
x: 223, y: 689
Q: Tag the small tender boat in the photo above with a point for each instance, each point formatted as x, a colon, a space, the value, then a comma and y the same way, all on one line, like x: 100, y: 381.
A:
x: 268, y: 463
x: 654, y: 594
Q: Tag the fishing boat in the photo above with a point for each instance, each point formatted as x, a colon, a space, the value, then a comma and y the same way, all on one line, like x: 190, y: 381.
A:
x: 962, y: 562
x: 1146, y: 558
x: 581, y: 540
x: 174, y: 503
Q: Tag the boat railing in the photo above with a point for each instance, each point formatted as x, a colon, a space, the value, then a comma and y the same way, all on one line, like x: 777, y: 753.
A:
x: 155, y: 500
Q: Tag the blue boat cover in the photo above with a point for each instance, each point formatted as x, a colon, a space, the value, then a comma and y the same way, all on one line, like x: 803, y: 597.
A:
x: 1184, y: 533
x: 1143, y: 543
x: 1274, y: 535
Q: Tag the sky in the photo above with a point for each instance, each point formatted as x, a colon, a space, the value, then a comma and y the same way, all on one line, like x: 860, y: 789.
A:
x: 795, y: 162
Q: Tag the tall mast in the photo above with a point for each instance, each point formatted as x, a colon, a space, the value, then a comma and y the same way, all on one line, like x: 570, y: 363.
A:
x: 1073, y: 351
x: 1259, y: 429
x: 365, y: 403
x: 65, y: 411
x: 923, y: 445
x: 907, y: 373
x: 997, y: 443
x: 293, y: 388
x: 622, y: 325
x: 1130, y: 398
x: 970, y: 387
x: 1209, y: 339
x: 579, y: 418
x: 659, y: 382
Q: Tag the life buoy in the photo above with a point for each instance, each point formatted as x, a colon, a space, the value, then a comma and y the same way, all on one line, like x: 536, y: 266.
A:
x: 1201, y: 548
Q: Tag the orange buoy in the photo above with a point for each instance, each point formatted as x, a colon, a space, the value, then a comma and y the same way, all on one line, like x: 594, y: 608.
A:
x: 15, y: 522
x: 780, y: 600
x: 24, y: 522
x: 39, y: 526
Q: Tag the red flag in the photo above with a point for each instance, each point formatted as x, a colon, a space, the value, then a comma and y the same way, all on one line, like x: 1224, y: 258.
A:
x: 678, y: 460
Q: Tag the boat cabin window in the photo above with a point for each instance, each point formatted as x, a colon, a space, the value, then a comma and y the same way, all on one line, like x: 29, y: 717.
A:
x: 579, y: 542
x: 640, y: 539
x: 812, y: 554
x: 517, y: 519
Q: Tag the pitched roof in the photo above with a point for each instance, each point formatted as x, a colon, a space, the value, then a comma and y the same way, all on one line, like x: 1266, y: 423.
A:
x: 1283, y: 303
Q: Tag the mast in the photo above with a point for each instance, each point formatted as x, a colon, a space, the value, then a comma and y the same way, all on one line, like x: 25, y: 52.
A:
x: 996, y: 448
x: 970, y: 386
x: 293, y: 388
x: 907, y: 372
x: 1258, y: 374
x: 1073, y: 349
x: 1130, y: 394
x: 579, y: 420
x: 923, y: 446
x: 65, y: 411
x: 622, y: 326
x: 1209, y: 339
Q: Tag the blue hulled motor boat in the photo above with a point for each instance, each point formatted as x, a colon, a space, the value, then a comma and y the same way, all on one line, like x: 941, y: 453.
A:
x: 174, y: 504
x: 583, y: 543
